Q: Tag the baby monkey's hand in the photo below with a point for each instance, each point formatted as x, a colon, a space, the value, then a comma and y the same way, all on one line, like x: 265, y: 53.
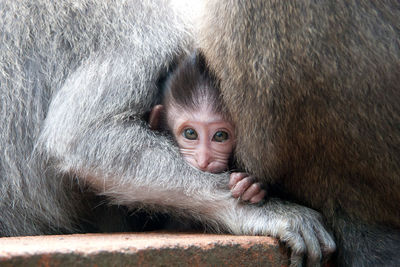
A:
x: 243, y: 186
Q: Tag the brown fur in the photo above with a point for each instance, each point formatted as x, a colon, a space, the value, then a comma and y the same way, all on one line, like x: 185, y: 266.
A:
x: 314, y: 89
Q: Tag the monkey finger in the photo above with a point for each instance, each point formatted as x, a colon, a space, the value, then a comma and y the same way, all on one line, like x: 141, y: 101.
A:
x: 314, y: 254
x: 296, y: 260
x: 297, y: 246
x: 235, y: 177
x: 328, y: 245
x: 251, y: 191
x: 258, y: 197
x: 301, y: 239
x: 241, y: 186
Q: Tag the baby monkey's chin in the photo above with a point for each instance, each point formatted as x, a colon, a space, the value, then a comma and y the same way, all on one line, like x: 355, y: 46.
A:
x: 216, y: 169
x: 212, y: 167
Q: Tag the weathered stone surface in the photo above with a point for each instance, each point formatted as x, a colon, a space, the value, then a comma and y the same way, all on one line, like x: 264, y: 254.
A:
x: 142, y: 249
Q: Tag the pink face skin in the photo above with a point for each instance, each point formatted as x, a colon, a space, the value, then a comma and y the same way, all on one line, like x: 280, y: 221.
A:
x: 205, y: 139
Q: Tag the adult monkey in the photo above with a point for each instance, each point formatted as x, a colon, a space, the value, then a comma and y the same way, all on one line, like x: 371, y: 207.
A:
x: 77, y: 78
x: 318, y: 84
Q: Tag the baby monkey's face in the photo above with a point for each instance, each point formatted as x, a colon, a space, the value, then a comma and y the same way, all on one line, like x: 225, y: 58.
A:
x: 205, y: 139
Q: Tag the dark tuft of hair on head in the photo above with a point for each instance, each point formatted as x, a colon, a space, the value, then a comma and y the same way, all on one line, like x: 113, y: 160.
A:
x: 192, y: 85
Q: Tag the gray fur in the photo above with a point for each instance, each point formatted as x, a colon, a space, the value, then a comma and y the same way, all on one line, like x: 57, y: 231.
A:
x: 314, y: 89
x: 77, y: 78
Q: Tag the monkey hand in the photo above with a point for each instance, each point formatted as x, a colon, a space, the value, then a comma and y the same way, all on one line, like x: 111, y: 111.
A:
x: 301, y: 228
x: 244, y: 186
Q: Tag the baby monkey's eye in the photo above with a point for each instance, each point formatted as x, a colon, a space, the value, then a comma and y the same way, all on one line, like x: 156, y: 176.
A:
x: 220, y: 136
x: 190, y: 134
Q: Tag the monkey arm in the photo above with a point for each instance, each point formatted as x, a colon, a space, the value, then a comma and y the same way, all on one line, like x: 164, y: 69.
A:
x: 94, y: 130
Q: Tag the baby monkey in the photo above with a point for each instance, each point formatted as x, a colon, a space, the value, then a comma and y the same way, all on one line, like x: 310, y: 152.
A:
x: 193, y: 112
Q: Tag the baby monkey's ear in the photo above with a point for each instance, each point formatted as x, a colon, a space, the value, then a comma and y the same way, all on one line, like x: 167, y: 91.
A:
x: 155, y: 116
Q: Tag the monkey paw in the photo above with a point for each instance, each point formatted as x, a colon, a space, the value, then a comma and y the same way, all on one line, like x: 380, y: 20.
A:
x: 300, y: 228
x: 244, y: 187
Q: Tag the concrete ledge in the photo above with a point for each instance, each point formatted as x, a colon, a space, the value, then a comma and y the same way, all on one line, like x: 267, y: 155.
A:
x: 142, y: 249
